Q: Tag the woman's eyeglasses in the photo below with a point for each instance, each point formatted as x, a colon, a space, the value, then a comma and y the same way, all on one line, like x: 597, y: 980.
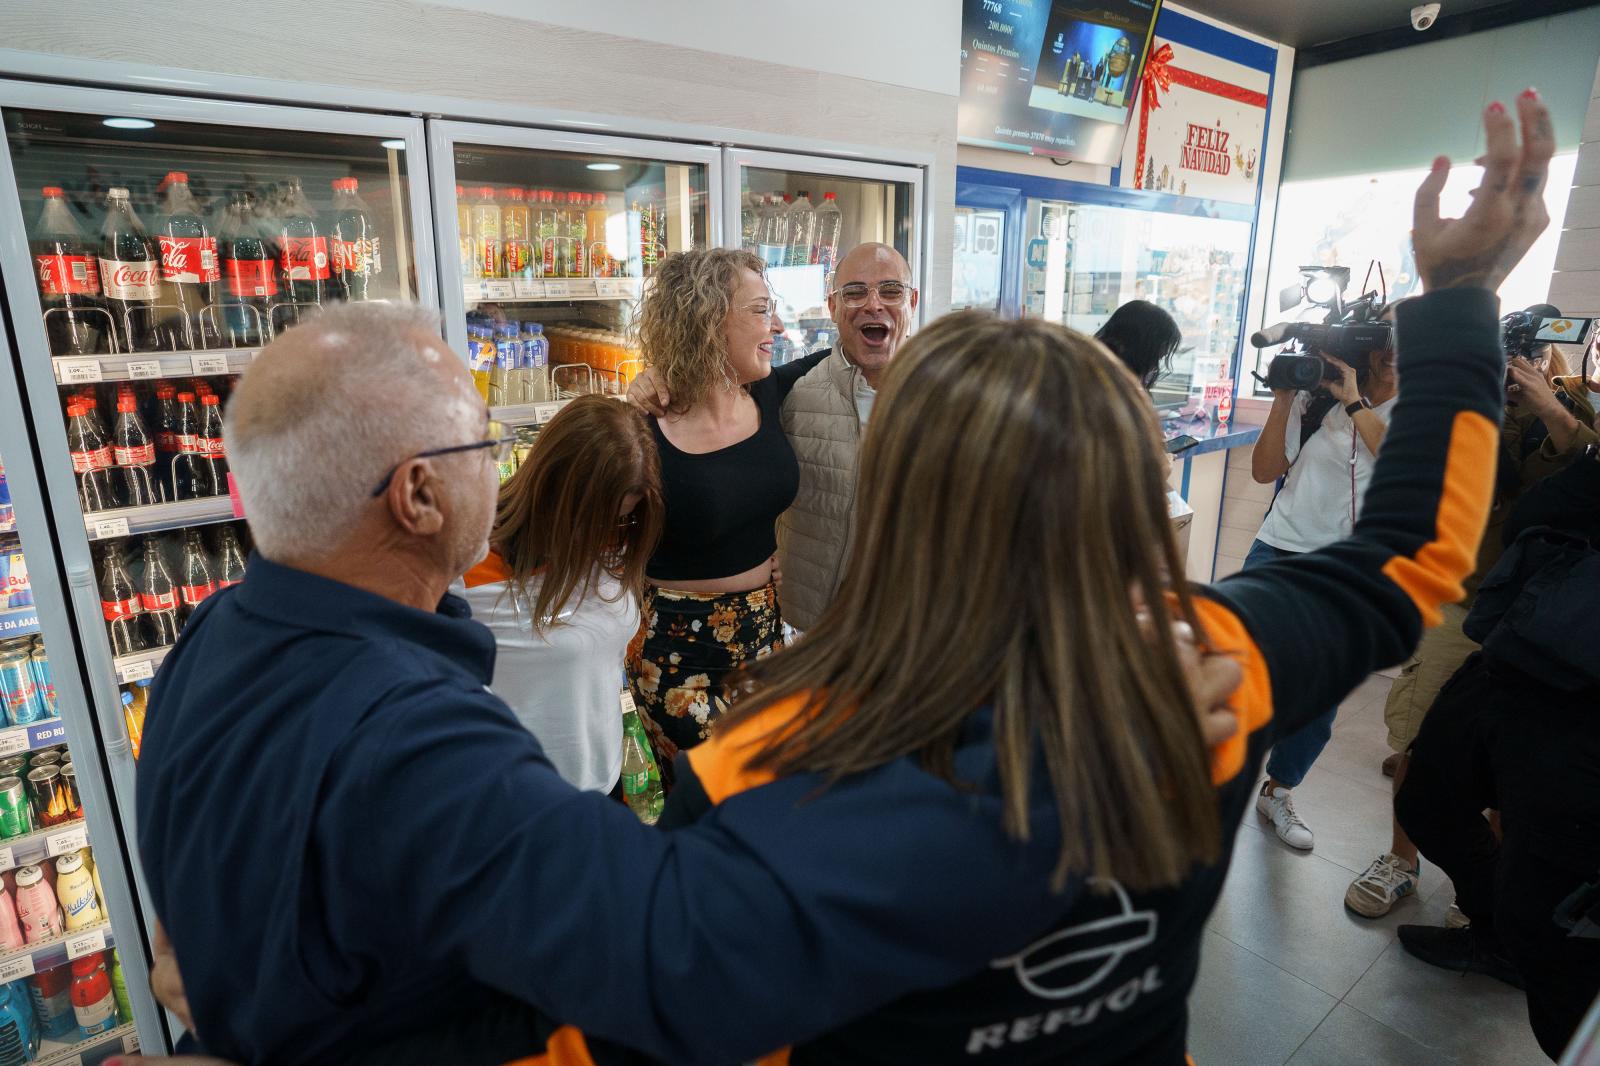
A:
x: 496, y: 435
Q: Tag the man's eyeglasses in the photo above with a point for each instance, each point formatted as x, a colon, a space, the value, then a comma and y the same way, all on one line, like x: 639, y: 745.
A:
x: 890, y: 293
x: 496, y: 435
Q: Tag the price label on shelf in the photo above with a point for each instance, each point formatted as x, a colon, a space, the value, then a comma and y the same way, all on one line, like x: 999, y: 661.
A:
x: 559, y: 290
x: 583, y: 287
x: 500, y: 289
x: 528, y: 289
x: 12, y: 969
x: 67, y: 840
x: 8, y: 859
x: 13, y: 741
x: 209, y: 364
x: 86, y: 943
x: 544, y: 412
x: 130, y: 1043
x: 144, y: 368
x: 473, y: 291
x: 78, y: 371
x: 106, y: 528
x: 140, y: 670
x: 43, y: 734
x: 616, y: 288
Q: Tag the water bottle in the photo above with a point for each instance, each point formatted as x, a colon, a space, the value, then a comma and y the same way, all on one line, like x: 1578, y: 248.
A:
x: 749, y: 221
x: 773, y: 243
x: 502, y: 387
x: 830, y: 225
x: 535, y: 360
x: 802, y: 231
x: 19, y: 1036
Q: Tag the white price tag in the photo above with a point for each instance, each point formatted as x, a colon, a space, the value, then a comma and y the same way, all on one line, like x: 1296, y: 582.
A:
x: 8, y: 859
x: 144, y: 368
x: 528, y: 289
x: 500, y: 289
x: 558, y: 290
x: 627, y: 702
x: 544, y: 412
x: 78, y: 371
x: 12, y: 969
x: 583, y: 287
x: 472, y: 291
x: 86, y: 943
x: 140, y: 670
x: 130, y: 1043
x: 105, y: 528
x: 67, y: 841
x: 13, y: 741
x: 209, y: 364
x: 609, y: 288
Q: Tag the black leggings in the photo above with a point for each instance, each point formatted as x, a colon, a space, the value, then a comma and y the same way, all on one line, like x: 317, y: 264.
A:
x: 1496, y: 738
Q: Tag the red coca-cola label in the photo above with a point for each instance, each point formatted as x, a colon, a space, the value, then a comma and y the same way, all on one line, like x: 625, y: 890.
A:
x: 115, y: 609
x: 226, y: 584
x: 306, y: 258
x: 211, y: 446
x: 60, y: 275
x: 193, y: 594
x: 357, y: 257
x: 99, y: 459
x: 251, y: 277
x: 138, y: 455
x: 130, y: 280
x: 189, y: 260
x: 166, y: 602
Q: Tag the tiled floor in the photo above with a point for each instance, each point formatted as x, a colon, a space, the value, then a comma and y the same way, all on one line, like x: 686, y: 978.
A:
x: 1289, y: 976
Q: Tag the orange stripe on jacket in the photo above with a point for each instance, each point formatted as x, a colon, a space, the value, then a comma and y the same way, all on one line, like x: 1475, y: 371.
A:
x: 777, y: 1058
x: 565, y: 1047
x: 720, y: 763
x: 1252, y: 701
x: 1458, y: 527
x: 490, y: 570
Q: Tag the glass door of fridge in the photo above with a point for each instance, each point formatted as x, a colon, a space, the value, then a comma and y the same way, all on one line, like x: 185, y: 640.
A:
x: 1083, y: 261
x: 803, y: 214
x: 546, y: 241
x: 150, y: 247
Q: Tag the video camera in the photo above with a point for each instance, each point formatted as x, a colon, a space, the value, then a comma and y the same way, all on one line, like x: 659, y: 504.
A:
x: 1350, y: 332
x: 1521, y: 332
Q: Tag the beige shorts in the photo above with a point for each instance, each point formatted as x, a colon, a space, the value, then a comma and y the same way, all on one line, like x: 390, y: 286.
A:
x: 1442, y: 651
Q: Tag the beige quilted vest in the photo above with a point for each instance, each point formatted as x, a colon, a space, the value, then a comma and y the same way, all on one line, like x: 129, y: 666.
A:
x: 820, y: 420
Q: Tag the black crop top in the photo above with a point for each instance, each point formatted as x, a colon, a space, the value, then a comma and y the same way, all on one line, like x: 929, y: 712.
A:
x: 723, y: 506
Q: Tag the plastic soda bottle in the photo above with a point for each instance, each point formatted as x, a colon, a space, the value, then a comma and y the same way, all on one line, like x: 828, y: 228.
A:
x: 487, y: 235
x: 514, y: 226
x: 641, y: 777
x: 469, y: 262
x: 119, y: 988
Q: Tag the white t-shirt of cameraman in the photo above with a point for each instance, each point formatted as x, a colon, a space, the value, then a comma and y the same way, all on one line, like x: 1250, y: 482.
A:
x: 1327, y: 479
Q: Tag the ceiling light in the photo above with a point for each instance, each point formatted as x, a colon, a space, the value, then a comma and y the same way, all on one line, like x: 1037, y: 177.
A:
x: 395, y: 145
x: 129, y: 123
x: 605, y: 166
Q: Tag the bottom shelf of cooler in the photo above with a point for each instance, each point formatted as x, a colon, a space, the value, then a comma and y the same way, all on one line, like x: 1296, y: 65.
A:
x: 123, y: 1040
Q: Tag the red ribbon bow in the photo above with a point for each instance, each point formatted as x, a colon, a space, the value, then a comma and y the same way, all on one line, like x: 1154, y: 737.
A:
x: 1157, y: 76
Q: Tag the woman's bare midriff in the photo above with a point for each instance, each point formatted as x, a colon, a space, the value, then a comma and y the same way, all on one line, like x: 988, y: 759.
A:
x: 754, y: 578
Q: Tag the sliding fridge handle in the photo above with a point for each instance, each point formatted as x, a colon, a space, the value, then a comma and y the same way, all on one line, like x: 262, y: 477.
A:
x: 85, y: 592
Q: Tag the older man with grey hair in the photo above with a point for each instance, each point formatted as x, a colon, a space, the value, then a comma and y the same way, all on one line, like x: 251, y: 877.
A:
x: 350, y: 840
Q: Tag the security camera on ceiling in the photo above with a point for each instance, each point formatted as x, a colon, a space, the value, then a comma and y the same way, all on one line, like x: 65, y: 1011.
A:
x: 1424, y: 16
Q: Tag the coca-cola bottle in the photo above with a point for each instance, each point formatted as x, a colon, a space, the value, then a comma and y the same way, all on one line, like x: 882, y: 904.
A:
x: 304, y: 250
x: 189, y: 262
x: 69, y: 279
x: 250, y: 274
x: 134, y: 452
x: 158, y: 597
x: 119, y: 603
x: 195, y: 579
x: 91, y: 460
x: 130, y: 275
x: 190, y: 477
x: 230, y: 558
x: 164, y: 418
x: 210, y: 444
x: 357, y: 258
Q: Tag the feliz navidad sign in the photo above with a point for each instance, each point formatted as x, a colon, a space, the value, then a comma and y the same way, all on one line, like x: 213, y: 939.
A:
x: 1197, y: 124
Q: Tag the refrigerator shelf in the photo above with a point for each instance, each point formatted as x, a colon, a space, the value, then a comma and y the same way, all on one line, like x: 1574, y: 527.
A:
x: 57, y: 951
x: 158, y: 517
x: 124, y: 1039
x: 45, y: 733
x: 88, y: 369
x: 522, y: 290
x: 139, y: 665
x: 30, y: 849
x: 19, y: 622
x: 528, y: 414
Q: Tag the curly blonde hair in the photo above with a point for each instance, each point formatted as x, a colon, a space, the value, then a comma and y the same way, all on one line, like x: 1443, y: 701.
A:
x: 681, y: 324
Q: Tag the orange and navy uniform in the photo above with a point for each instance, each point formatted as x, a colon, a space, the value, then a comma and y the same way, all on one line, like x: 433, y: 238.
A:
x: 1105, y: 978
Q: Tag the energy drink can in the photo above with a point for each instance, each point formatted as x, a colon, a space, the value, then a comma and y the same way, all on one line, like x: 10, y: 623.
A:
x: 43, y: 685
x: 16, y: 816
x: 18, y: 690
x: 44, y: 757
x: 69, y: 792
x: 44, y: 790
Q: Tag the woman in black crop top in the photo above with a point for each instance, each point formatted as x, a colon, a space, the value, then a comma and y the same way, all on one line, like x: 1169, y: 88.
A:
x: 727, y: 472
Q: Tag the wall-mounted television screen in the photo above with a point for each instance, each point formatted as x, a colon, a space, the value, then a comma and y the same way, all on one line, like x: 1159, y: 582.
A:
x: 1052, y: 77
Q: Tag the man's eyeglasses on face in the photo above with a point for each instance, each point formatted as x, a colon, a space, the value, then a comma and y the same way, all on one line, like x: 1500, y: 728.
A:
x: 890, y: 293
x: 496, y: 435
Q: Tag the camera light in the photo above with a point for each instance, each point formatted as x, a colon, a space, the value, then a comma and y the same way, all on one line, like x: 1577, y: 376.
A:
x: 1322, y: 290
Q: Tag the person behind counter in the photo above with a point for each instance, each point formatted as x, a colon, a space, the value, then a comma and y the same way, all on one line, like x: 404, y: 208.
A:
x: 1145, y: 337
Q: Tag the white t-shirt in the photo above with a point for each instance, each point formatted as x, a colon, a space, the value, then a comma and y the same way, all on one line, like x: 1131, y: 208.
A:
x: 865, y: 395
x: 566, y: 685
x: 1321, y: 497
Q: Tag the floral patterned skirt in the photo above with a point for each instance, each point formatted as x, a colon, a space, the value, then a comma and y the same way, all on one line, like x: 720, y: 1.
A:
x: 692, y: 641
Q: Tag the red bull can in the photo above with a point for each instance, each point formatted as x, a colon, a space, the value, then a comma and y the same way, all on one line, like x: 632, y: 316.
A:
x: 18, y: 690
x: 43, y: 685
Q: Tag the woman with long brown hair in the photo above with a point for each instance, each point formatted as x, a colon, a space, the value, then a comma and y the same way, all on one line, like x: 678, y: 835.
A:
x: 561, y: 585
x: 727, y: 472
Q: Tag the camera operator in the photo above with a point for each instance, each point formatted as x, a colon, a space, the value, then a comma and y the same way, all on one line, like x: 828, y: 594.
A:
x: 1547, y: 423
x: 1326, y: 441
x: 1518, y: 729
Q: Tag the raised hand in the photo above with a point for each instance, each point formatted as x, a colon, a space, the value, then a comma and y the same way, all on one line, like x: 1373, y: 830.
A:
x: 1507, y: 214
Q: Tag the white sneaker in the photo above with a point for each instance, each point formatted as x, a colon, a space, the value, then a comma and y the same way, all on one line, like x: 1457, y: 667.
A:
x: 1278, y: 808
x: 1455, y: 918
x: 1387, y: 881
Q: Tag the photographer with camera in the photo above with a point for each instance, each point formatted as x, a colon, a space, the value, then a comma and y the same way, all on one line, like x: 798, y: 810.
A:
x: 1325, y: 440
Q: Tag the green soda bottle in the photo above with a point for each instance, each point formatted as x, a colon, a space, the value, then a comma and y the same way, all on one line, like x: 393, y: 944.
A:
x: 641, y: 777
x: 119, y: 987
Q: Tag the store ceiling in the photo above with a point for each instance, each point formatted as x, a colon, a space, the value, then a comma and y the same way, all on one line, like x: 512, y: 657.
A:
x: 1307, y: 23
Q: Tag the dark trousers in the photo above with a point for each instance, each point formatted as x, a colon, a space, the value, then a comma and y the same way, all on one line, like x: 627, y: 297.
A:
x: 1496, y: 738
